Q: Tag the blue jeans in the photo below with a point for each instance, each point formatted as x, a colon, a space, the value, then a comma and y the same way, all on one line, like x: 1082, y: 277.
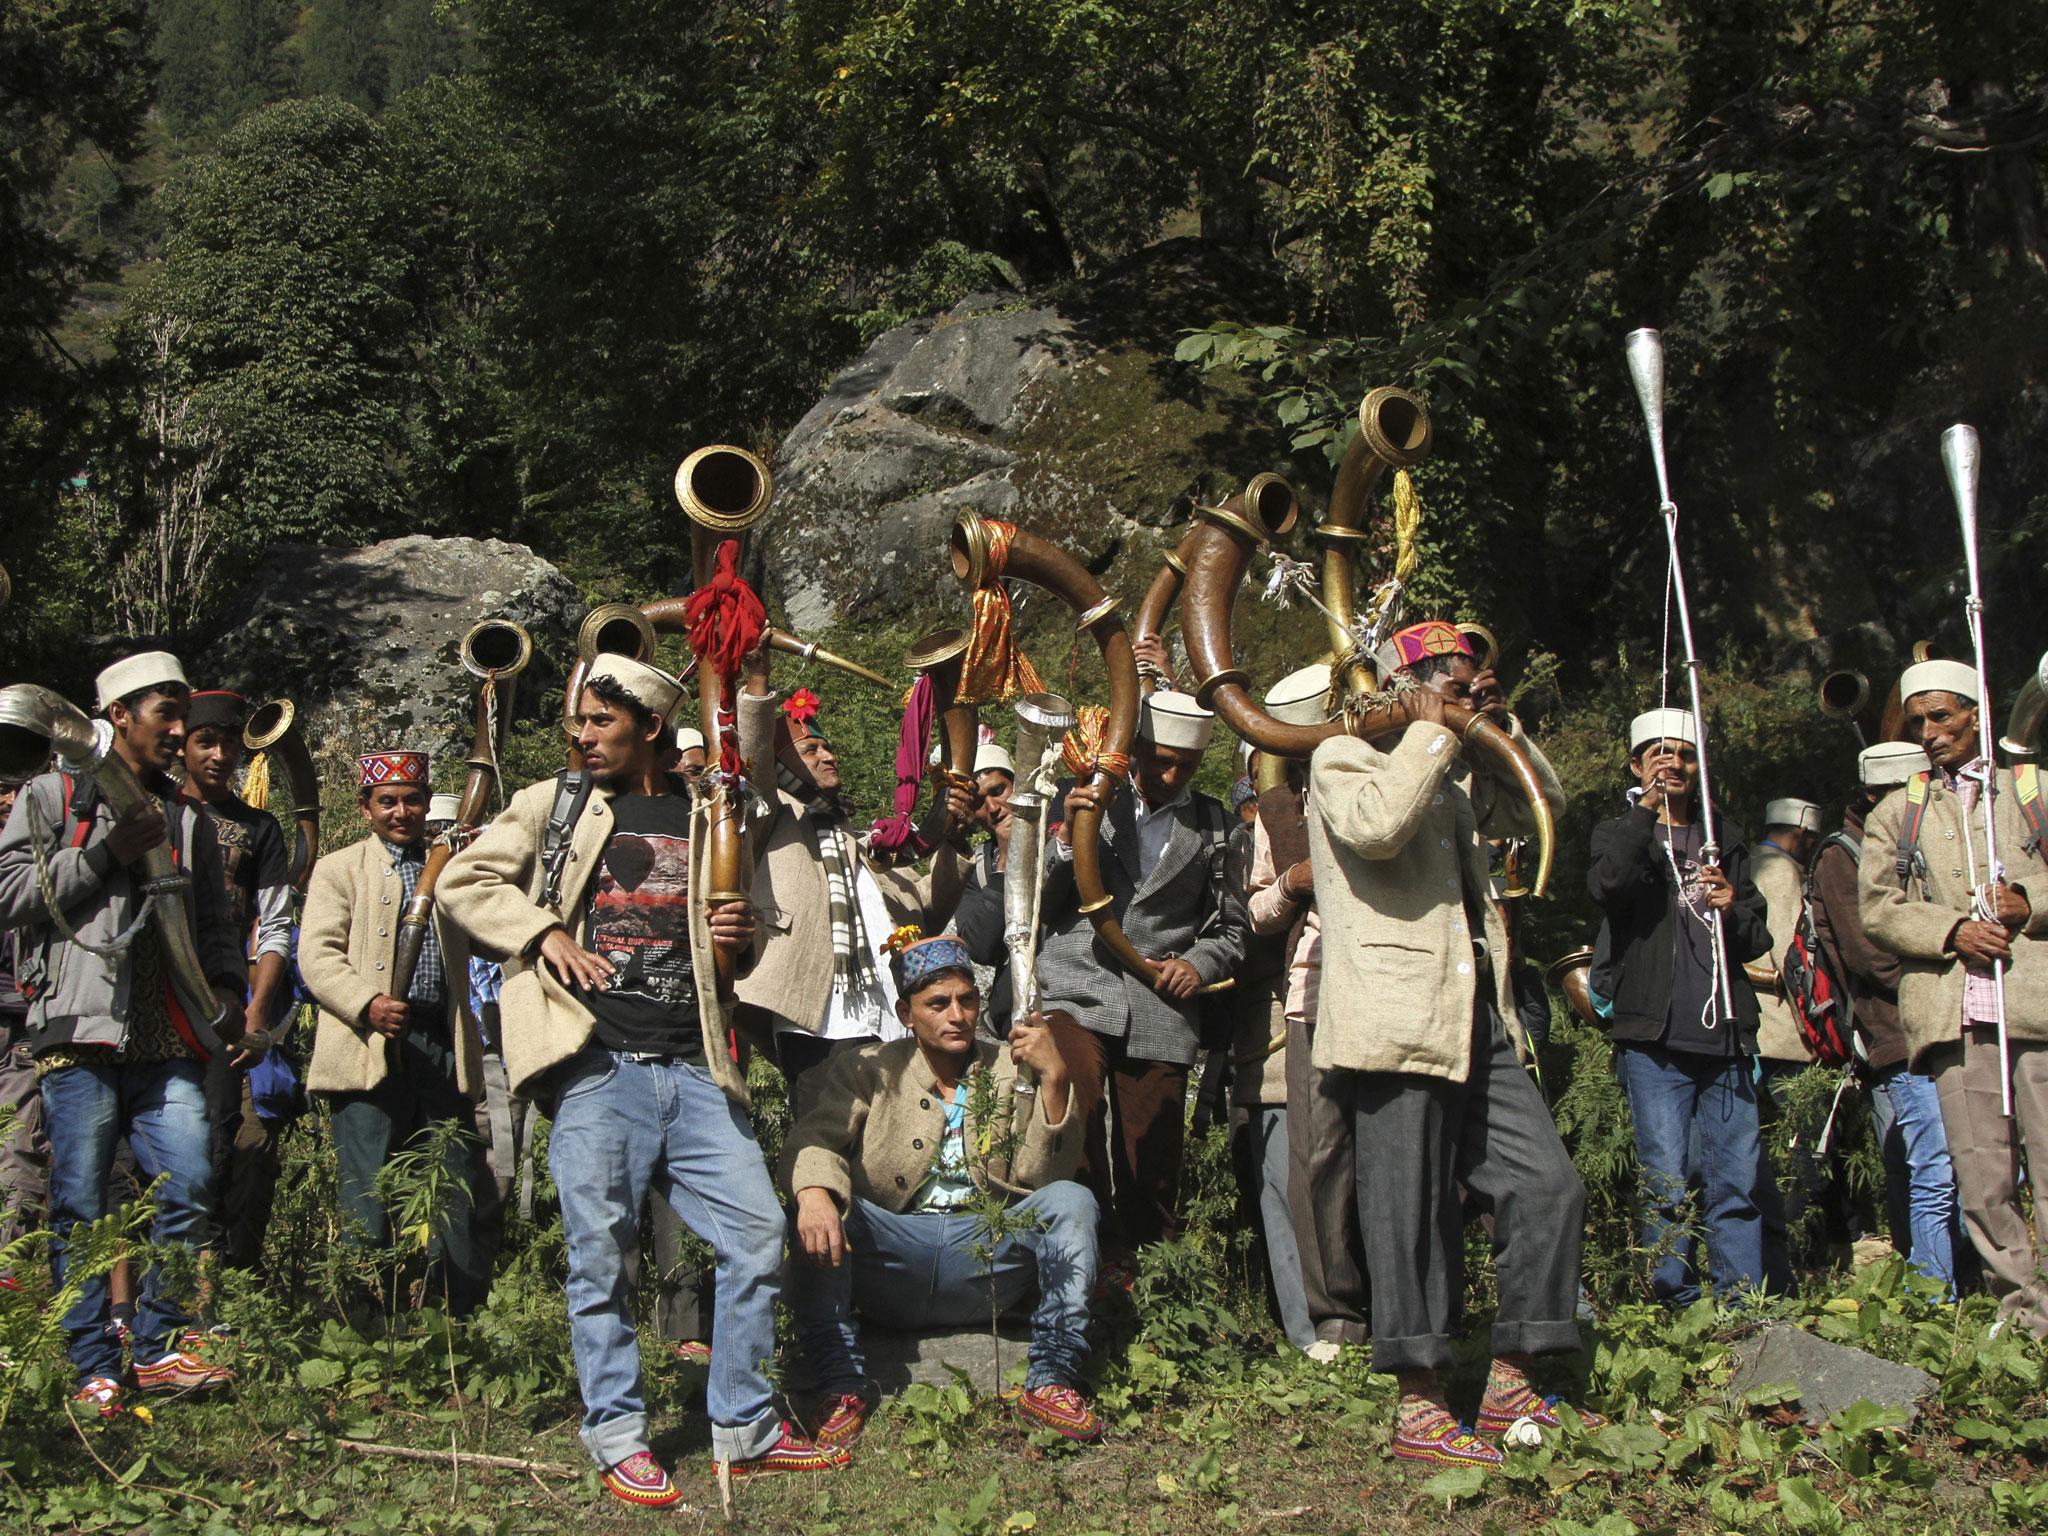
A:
x: 621, y: 1127
x: 1920, y: 1182
x: 1269, y: 1152
x: 918, y: 1270
x: 160, y: 1106
x: 1670, y: 1094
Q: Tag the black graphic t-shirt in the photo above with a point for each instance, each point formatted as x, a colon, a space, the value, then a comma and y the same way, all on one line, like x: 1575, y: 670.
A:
x: 252, y: 855
x: 640, y: 922
x: 1696, y: 1024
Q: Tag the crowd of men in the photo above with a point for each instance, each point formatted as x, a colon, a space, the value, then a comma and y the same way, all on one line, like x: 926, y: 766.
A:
x: 1376, y: 1025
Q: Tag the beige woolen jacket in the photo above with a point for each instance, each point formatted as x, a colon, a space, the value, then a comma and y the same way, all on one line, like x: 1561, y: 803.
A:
x: 793, y: 977
x: 876, y: 1121
x: 347, y: 939
x: 1914, y: 920
x: 492, y: 890
x: 1395, y: 848
x: 1783, y: 884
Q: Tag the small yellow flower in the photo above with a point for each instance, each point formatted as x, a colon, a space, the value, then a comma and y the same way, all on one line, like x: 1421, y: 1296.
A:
x: 142, y: 1412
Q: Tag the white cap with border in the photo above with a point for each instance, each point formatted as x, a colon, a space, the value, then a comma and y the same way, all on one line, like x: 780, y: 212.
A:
x: 1889, y: 763
x: 991, y: 758
x: 1302, y: 697
x: 1956, y: 677
x: 1173, y: 719
x: 687, y: 737
x: 131, y: 674
x: 1661, y: 725
x: 652, y: 688
x: 1803, y: 814
x: 443, y: 807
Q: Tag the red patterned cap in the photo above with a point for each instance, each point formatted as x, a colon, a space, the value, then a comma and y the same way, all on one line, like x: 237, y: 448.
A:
x: 1432, y: 637
x: 381, y: 768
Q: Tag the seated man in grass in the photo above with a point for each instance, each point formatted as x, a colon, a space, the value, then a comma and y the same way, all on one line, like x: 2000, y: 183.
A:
x: 899, y: 1142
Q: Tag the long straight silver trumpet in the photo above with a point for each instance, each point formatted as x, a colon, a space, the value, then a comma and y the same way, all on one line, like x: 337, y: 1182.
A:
x: 1959, y: 458
x: 1041, y: 719
x: 1645, y: 349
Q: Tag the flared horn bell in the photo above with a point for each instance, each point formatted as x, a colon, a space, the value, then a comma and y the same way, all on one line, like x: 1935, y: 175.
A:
x: 1843, y: 694
x: 615, y: 629
x: 495, y: 647
x: 724, y: 488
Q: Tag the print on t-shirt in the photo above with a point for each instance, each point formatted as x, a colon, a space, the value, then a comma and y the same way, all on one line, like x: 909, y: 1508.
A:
x: 640, y: 917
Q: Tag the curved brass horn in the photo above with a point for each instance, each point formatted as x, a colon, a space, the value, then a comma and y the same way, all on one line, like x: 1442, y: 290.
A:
x: 1033, y: 560
x: 274, y: 728
x: 1393, y: 433
x: 2024, y: 736
x: 1483, y: 659
x: 1843, y: 694
x: 941, y: 654
x: 1571, y: 975
x: 1267, y: 507
x: 609, y: 629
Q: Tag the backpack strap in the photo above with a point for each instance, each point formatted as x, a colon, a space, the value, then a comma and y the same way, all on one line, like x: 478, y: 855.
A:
x: 1909, y: 829
x: 2026, y: 786
x: 572, y: 793
x: 81, y: 800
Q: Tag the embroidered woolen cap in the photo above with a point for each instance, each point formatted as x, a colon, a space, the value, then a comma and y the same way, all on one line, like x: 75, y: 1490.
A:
x: 649, y: 687
x: 219, y: 709
x: 1661, y: 725
x: 1419, y: 642
x: 916, y: 963
x: 1954, y: 677
x: 1301, y: 698
x: 990, y: 758
x: 377, y: 769
x: 131, y: 674
x: 444, y: 807
x: 1889, y: 762
x: 1173, y: 719
x: 688, y: 737
x: 1803, y: 814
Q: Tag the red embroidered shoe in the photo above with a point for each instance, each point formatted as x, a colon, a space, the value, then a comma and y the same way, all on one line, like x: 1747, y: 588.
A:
x: 642, y: 1481
x: 1442, y: 1441
x: 102, y: 1394
x: 791, y: 1452
x: 1498, y: 1414
x: 1060, y: 1409
x: 181, y: 1373
x: 693, y: 1352
x: 849, y: 1416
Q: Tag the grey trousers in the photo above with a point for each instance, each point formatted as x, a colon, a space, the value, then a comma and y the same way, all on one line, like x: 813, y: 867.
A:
x: 1984, y: 1147
x: 1418, y: 1138
x: 24, y: 1154
x: 1269, y: 1148
x: 1322, y: 1194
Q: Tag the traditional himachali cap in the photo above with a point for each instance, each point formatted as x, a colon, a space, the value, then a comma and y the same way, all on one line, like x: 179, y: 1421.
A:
x: 145, y: 669
x: 378, y: 769
x: 1418, y: 642
x: 1958, y: 678
x: 1803, y: 814
x: 915, y: 959
x: 1662, y: 725
x: 1301, y: 698
x: 444, y: 807
x: 649, y: 687
x: 992, y: 758
x: 687, y: 737
x: 220, y: 709
x: 1889, y: 762
x: 1173, y: 719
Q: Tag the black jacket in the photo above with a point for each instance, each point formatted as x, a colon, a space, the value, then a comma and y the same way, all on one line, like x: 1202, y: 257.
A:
x: 979, y: 920
x: 1631, y: 881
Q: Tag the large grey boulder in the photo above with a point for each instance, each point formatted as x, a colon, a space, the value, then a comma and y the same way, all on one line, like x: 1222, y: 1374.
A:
x: 365, y: 640
x: 1829, y: 1376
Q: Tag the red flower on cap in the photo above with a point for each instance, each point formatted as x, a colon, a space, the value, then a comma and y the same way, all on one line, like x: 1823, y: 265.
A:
x: 801, y: 706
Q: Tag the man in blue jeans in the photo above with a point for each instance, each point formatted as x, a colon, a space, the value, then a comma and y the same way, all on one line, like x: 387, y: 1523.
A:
x: 610, y: 1008
x: 885, y: 1158
x: 115, y: 1052
x: 1920, y: 1181
x: 1684, y: 1056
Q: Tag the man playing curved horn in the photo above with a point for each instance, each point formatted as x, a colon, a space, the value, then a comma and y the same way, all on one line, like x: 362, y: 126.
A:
x: 1411, y: 1007
x: 115, y: 1055
x: 1922, y: 866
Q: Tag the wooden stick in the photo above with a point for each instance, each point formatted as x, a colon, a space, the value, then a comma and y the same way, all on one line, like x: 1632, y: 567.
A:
x: 503, y: 1463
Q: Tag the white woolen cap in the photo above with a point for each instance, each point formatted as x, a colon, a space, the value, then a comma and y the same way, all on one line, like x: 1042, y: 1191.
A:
x: 145, y: 669
x: 688, y: 736
x: 990, y: 758
x: 1662, y: 725
x: 1889, y: 762
x: 1953, y: 677
x: 443, y: 807
x: 651, y: 687
x: 1175, y: 720
x: 1301, y: 698
x: 1803, y: 814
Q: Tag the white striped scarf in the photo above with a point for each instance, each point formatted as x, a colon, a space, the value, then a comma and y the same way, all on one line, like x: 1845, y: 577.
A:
x: 853, y: 958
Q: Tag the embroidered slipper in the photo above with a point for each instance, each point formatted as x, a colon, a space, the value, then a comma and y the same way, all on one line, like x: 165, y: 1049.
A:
x: 1060, y: 1409
x: 641, y: 1480
x: 1444, y: 1442
x: 1498, y: 1414
x: 791, y: 1452
x: 849, y: 1416
x: 693, y: 1352
x: 102, y: 1394
x: 182, y: 1373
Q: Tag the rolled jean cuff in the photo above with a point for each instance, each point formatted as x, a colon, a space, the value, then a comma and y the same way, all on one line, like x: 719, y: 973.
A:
x: 1416, y: 1352
x: 613, y: 1440
x: 1527, y: 1338
x: 744, y: 1442
x: 1048, y: 1374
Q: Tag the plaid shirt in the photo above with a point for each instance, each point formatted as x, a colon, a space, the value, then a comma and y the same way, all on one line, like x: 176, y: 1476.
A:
x: 429, y: 986
x: 1980, y: 985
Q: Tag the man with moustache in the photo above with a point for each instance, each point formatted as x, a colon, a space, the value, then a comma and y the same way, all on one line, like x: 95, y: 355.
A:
x: 979, y: 918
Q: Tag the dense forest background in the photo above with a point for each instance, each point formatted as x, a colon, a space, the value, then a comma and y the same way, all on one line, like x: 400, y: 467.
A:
x: 336, y: 270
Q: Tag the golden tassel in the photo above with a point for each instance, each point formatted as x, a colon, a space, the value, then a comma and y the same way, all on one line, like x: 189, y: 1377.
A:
x: 256, y: 784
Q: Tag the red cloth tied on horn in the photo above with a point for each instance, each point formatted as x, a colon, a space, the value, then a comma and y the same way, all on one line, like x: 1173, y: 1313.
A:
x: 725, y: 620
x: 913, y: 743
x: 995, y: 666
